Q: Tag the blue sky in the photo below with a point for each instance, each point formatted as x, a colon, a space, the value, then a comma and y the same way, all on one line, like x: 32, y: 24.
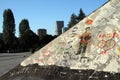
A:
x: 44, y: 13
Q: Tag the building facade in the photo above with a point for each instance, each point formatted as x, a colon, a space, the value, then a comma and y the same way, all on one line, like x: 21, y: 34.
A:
x: 58, y: 27
x: 42, y: 33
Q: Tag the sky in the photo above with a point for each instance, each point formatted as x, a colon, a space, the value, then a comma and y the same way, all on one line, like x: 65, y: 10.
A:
x: 42, y: 14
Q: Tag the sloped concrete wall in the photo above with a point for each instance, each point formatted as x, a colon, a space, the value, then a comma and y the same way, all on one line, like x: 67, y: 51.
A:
x: 94, y: 43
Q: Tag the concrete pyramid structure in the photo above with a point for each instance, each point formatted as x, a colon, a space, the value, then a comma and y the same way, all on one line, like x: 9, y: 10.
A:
x: 93, y: 43
x: 91, y: 47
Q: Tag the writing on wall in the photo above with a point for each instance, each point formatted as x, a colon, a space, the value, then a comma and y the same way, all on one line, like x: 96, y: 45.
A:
x: 108, y: 35
x: 107, y: 41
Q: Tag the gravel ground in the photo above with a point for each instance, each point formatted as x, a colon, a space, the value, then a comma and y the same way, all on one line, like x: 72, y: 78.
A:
x: 10, y: 60
x: 52, y: 72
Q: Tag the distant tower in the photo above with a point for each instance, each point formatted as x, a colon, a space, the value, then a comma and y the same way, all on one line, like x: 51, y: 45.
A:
x: 42, y: 33
x: 58, y: 27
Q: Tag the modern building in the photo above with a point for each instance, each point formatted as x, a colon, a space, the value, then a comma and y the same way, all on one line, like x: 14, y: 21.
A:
x: 58, y: 27
x: 42, y: 33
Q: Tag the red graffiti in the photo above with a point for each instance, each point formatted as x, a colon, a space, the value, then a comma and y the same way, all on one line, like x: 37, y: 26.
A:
x: 106, y: 45
x: 111, y: 35
x: 89, y: 22
x: 46, y: 52
x: 36, y: 61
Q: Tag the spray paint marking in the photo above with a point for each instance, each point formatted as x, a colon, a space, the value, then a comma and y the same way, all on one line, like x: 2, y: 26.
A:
x: 109, y: 35
x: 106, y: 45
x: 89, y: 22
x: 107, y: 41
x: 36, y: 61
x: 46, y: 52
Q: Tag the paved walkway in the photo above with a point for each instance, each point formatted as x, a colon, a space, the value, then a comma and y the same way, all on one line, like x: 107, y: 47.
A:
x: 9, y: 61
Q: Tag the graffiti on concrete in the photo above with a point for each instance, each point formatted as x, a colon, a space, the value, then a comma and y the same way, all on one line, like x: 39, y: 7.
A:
x: 81, y: 49
x: 109, y: 35
x: 69, y: 48
x: 84, y: 60
x: 106, y: 45
x: 107, y: 41
x: 84, y: 41
x: 89, y: 22
x: 46, y: 52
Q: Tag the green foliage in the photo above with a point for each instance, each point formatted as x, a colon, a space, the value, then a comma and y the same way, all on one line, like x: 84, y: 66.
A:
x: 23, y: 26
x: 8, y: 28
x: 73, y: 20
x: 45, y: 40
x: 1, y: 45
x: 29, y: 40
x: 81, y: 15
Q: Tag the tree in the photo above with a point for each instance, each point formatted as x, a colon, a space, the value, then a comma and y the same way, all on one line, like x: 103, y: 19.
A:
x: 73, y: 21
x: 1, y: 45
x: 45, y: 40
x: 29, y: 40
x: 81, y: 15
x: 8, y: 28
x: 23, y: 26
